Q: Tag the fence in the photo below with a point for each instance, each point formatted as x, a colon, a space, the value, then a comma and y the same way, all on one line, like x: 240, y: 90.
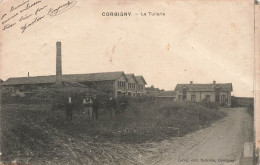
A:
x: 242, y: 101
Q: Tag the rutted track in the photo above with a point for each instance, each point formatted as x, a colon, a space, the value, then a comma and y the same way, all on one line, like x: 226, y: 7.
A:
x: 219, y: 144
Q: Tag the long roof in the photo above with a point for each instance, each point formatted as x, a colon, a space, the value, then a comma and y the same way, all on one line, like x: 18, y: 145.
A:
x: 204, y: 87
x: 105, y: 76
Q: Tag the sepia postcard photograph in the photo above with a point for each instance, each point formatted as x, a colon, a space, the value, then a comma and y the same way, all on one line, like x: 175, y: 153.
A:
x: 129, y: 82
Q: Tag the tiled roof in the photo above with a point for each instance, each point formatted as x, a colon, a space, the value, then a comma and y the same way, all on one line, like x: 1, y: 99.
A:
x: 139, y: 78
x: 204, y: 87
x: 66, y: 78
x: 131, y: 76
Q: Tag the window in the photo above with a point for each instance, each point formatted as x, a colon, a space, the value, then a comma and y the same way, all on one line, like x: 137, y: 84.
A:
x: 119, y: 93
x: 193, y: 97
x: 121, y: 84
x: 140, y: 87
x: 129, y: 94
x: 207, y: 97
x: 131, y: 85
x: 179, y: 97
x: 223, y: 98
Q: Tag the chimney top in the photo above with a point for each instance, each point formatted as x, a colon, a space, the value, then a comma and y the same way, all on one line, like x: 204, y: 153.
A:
x: 58, y: 43
x: 191, y: 82
x: 28, y: 74
x: 214, y: 82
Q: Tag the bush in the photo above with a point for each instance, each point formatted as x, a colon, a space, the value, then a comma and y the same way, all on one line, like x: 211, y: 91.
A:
x: 33, y: 130
x: 141, y: 122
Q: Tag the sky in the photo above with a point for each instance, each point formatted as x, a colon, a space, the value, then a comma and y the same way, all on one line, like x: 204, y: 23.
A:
x: 199, y: 41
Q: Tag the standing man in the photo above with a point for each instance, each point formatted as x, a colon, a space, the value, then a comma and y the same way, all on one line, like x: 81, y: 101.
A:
x: 95, y: 106
x: 69, y: 109
x: 123, y: 103
x: 87, y: 104
x: 112, y: 107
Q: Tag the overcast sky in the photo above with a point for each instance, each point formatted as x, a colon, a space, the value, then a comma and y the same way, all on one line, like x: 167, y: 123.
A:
x: 197, y: 41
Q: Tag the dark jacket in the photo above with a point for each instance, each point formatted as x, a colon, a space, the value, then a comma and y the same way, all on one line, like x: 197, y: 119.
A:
x: 112, y: 103
x: 69, y: 107
x: 95, y: 104
x: 123, y: 101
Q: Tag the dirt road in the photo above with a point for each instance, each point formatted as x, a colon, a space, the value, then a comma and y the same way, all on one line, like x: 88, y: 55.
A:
x: 220, y: 144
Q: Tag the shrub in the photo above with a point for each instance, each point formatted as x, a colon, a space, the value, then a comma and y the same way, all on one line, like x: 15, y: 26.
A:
x: 141, y: 122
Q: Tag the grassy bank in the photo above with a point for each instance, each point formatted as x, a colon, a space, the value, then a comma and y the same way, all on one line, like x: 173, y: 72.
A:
x: 29, y: 129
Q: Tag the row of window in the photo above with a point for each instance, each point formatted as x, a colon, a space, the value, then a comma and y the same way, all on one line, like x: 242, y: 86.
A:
x: 121, y: 84
x: 140, y: 87
x: 133, y: 94
x: 223, y: 98
x: 129, y: 93
x: 130, y: 85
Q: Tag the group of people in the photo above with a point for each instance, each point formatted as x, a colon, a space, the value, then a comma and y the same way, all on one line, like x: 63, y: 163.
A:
x: 92, y: 105
x: 90, y: 108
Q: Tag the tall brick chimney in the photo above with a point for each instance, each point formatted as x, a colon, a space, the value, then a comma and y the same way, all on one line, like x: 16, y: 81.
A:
x: 58, y: 64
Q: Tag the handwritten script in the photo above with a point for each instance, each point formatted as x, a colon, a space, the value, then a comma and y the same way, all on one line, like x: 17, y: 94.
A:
x: 62, y: 8
x: 28, y: 13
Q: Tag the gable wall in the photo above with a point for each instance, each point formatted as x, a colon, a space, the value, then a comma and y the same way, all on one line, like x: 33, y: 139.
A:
x: 117, y: 87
